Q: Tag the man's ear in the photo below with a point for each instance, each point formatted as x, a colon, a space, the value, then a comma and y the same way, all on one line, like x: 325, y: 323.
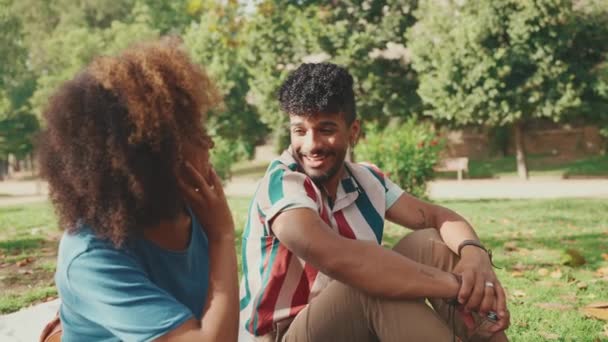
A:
x: 355, y: 130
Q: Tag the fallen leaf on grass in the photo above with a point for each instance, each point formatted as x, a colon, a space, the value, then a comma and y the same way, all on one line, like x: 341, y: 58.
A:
x: 597, y: 310
x: 24, y: 272
x: 556, y: 274
x: 521, y: 267
x: 554, y: 306
x: 517, y: 274
x: 605, y: 256
x: 549, y: 336
x: 510, y: 246
x: 582, y: 285
x: 24, y: 262
x: 568, y: 298
x: 543, y: 272
x: 519, y: 293
x: 602, y: 272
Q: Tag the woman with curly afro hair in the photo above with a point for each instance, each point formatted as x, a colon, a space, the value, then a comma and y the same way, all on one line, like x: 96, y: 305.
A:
x: 148, y: 249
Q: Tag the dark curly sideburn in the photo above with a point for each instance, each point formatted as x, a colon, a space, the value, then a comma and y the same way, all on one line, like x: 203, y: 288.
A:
x: 111, y: 149
x: 322, y: 88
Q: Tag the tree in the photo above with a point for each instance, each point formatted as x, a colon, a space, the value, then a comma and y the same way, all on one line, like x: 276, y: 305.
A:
x: 367, y: 37
x: 17, y: 123
x: 277, y: 36
x: 216, y: 43
x: 71, y: 42
x: 504, y: 62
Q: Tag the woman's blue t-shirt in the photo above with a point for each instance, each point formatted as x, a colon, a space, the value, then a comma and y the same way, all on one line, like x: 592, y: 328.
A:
x: 138, y: 292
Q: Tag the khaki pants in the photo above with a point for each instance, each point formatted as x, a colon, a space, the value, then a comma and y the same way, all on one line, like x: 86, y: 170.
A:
x: 342, y: 313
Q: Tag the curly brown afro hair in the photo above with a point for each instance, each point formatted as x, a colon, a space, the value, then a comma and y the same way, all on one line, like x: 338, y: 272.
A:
x: 112, y: 146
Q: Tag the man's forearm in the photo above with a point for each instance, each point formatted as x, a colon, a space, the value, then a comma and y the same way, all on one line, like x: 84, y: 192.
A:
x: 384, y: 273
x: 454, y: 229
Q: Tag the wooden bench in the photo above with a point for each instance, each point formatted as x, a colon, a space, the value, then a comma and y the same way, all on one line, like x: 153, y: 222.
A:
x: 460, y: 165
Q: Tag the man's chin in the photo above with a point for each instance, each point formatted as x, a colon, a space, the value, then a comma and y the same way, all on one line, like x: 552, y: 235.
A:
x: 316, y: 176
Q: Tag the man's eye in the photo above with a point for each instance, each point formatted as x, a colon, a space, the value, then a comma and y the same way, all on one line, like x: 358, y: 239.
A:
x: 298, y: 131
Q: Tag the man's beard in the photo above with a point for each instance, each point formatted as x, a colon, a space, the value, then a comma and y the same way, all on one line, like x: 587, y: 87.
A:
x: 327, y: 175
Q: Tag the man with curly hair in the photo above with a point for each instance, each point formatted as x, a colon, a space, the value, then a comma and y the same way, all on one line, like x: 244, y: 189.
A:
x: 148, y: 249
x: 313, y: 265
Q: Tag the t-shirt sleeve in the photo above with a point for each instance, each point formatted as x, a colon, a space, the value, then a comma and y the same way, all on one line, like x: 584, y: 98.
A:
x: 110, y: 288
x: 285, y: 190
x: 393, y: 192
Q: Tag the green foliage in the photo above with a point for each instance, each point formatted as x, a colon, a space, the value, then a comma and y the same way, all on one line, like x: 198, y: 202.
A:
x: 406, y: 152
x: 17, y: 135
x: 224, y: 154
x: 68, y: 49
x: 367, y: 37
x: 276, y: 38
x: 500, y: 62
x: 17, y: 83
x: 215, y: 42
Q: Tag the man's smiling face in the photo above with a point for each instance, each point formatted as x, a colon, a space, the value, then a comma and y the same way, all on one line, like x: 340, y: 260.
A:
x: 320, y: 143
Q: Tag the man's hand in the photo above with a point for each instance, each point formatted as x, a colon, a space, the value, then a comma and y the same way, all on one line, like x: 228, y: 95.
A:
x: 480, y: 290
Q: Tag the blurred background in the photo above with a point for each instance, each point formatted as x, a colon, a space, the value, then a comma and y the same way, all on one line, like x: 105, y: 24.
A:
x: 464, y: 102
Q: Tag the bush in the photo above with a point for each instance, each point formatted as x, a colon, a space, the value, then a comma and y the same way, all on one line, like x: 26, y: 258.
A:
x: 406, y: 152
x: 224, y: 154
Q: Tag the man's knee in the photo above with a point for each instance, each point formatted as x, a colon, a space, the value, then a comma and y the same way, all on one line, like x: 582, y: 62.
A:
x: 419, y: 239
x: 426, y: 246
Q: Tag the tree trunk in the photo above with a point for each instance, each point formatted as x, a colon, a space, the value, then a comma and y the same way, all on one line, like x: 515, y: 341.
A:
x: 520, y: 151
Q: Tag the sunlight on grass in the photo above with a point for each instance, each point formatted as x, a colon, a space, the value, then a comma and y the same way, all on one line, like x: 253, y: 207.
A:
x: 529, y: 239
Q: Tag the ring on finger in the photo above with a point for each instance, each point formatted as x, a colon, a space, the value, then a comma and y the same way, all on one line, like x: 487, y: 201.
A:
x: 489, y: 284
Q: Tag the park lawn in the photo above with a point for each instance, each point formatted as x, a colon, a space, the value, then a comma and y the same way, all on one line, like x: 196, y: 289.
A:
x: 538, y: 165
x: 529, y: 239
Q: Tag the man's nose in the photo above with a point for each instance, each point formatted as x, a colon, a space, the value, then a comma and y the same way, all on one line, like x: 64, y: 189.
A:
x: 311, y: 141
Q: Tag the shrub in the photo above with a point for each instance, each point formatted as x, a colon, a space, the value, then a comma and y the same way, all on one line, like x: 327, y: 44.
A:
x: 224, y: 154
x: 406, y: 152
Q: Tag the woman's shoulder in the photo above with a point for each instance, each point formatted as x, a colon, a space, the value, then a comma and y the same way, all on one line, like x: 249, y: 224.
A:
x: 74, y: 243
x: 88, y: 251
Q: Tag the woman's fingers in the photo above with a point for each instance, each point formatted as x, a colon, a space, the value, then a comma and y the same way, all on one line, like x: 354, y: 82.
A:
x: 216, y: 182
x: 198, y: 181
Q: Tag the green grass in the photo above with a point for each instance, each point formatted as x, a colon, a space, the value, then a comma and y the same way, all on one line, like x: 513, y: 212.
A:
x: 28, y: 249
x: 539, y: 166
x: 528, y: 237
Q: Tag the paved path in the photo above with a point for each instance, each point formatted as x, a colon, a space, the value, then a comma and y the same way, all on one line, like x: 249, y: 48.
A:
x: 515, y: 188
x: 27, y: 324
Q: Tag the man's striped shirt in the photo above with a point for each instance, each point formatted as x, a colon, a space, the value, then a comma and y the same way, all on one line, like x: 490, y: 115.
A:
x: 277, y: 284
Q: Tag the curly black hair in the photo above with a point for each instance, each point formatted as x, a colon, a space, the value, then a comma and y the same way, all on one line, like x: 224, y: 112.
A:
x: 322, y: 88
x: 112, y: 146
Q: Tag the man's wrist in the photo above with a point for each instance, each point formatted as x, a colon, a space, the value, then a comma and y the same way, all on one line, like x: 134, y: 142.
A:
x: 474, y: 248
x: 471, y: 250
x: 470, y: 243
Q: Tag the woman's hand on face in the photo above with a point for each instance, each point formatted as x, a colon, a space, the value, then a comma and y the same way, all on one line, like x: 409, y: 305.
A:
x: 206, y: 198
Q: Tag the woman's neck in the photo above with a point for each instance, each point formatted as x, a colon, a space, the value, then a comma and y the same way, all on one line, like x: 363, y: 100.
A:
x: 173, y: 234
